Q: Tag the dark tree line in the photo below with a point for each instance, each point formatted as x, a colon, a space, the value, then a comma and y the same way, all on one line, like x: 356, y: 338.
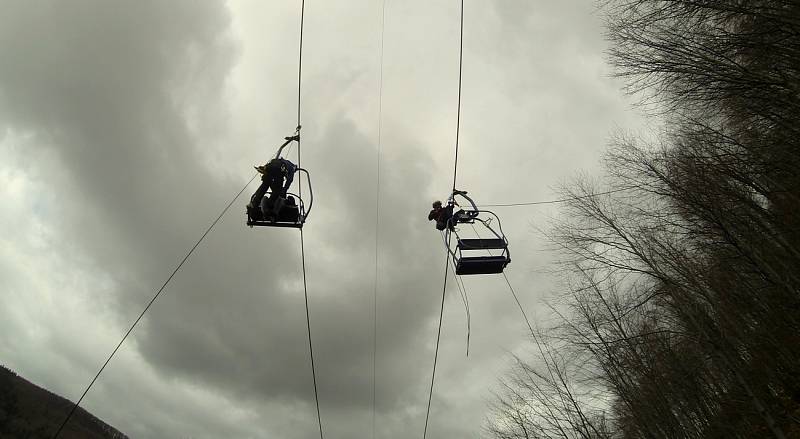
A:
x: 680, y: 315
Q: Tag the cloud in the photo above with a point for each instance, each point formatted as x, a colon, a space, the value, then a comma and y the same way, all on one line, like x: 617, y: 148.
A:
x: 127, y: 127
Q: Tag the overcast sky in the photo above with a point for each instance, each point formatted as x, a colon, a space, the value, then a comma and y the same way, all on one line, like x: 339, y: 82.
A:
x: 125, y: 127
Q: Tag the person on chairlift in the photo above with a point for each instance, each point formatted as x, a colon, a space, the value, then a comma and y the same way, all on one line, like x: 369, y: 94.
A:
x: 442, y: 215
x: 276, y: 176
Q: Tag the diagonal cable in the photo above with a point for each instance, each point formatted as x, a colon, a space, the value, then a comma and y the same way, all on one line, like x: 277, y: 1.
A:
x: 562, y: 200
x: 149, y: 304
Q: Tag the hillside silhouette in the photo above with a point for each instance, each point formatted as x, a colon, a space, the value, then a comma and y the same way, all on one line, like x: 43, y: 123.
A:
x: 29, y: 411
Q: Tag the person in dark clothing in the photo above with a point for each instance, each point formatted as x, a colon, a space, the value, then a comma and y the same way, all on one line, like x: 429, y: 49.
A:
x: 441, y: 215
x: 277, y: 176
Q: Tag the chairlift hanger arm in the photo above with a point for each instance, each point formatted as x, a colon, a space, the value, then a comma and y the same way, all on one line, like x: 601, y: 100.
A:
x: 464, y: 195
x: 287, y: 142
x: 289, y: 139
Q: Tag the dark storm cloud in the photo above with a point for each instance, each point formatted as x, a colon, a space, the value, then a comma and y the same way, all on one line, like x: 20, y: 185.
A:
x: 253, y: 338
x: 105, y: 87
x: 93, y: 82
x: 132, y: 124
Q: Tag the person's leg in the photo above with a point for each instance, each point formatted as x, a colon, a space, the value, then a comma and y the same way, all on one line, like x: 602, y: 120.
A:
x: 276, y: 208
x: 275, y: 187
x: 454, y: 218
x: 446, y: 216
x: 255, y: 200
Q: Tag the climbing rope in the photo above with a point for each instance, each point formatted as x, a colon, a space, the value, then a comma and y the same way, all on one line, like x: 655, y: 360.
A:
x: 458, y: 112
x: 308, y: 326
x: 462, y: 290
x: 302, y: 237
x: 149, y: 304
x: 300, y: 60
x: 438, y: 337
x: 455, y: 175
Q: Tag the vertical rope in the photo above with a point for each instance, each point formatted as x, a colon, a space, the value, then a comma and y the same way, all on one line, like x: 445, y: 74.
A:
x: 458, y: 113
x: 377, y: 212
x: 455, y: 175
x: 299, y: 91
x: 300, y: 60
x: 438, y: 337
x: 462, y: 289
x: 302, y: 237
x: 308, y: 326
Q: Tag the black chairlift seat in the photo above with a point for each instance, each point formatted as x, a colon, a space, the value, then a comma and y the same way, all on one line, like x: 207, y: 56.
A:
x: 475, y: 255
x: 293, y: 213
x: 289, y: 216
x: 482, y: 264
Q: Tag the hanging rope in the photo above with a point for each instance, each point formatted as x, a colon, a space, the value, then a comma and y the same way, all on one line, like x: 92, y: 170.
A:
x: 149, y: 304
x: 377, y: 211
x: 458, y: 112
x: 302, y: 238
x: 455, y: 176
x: 300, y: 60
x: 308, y: 326
x: 438, y: 337
x: 462, y: 289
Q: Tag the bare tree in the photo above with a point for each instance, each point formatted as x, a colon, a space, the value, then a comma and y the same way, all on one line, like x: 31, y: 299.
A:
x: 684, y: 290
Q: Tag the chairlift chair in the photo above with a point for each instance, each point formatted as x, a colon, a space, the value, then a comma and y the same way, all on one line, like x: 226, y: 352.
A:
x: 477, y: 255
x: 293, y: 213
